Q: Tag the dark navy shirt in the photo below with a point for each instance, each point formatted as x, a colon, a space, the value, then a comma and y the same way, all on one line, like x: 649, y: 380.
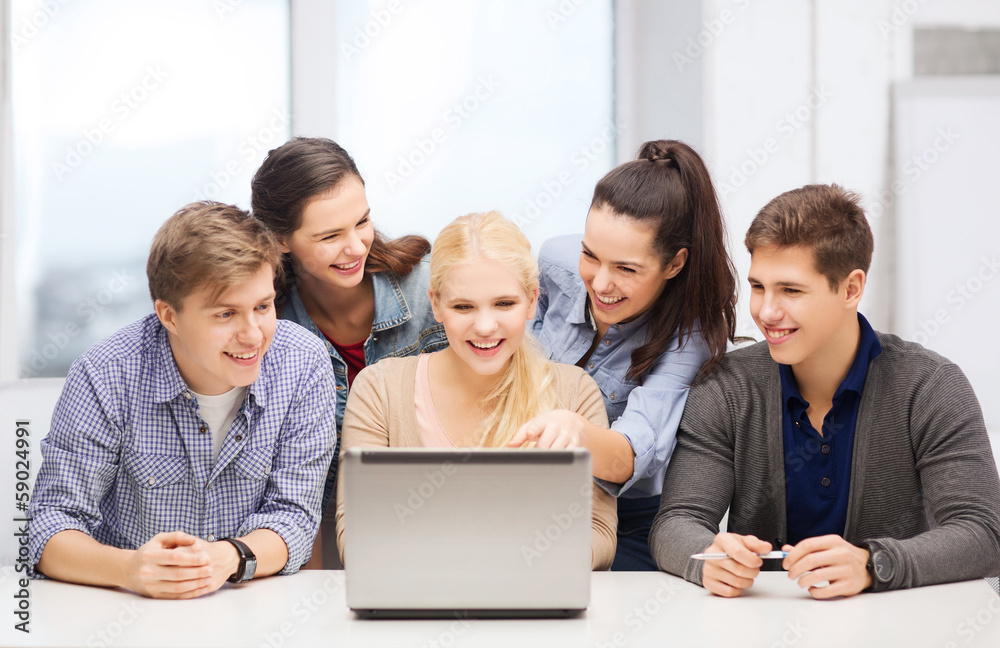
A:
x: 818, y: 468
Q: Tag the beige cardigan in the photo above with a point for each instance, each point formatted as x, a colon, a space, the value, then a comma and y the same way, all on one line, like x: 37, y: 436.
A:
x: 380, y: 413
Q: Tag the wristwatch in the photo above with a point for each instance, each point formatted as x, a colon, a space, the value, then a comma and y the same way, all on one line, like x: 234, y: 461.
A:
x: 248, y: 561
x: 881, y: 566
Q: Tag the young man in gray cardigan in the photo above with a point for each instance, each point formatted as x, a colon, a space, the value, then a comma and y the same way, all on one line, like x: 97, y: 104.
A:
x: 862, y: 455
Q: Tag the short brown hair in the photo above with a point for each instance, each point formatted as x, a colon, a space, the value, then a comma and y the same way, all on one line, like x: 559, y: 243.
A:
x: 207, y: 243
x: 827, y: 218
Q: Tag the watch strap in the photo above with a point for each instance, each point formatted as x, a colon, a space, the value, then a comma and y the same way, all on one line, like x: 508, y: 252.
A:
x: 248, y: 561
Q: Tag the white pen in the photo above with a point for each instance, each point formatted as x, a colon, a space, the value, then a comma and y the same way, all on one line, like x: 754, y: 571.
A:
x: 722, y: 556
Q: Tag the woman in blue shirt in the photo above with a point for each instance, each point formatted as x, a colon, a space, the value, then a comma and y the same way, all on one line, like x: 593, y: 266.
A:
x: 364, y: 296
x: 645, y: 303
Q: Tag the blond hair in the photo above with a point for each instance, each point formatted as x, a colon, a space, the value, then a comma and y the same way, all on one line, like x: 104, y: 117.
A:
x: 207, y: 244
x: 526, y: 387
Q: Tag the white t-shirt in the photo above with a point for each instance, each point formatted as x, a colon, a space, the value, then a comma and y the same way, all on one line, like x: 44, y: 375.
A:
x: 219, y: 412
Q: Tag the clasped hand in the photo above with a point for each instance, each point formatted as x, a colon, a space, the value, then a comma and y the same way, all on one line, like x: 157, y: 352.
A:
x: 178, y: 565
x: 824, y: 559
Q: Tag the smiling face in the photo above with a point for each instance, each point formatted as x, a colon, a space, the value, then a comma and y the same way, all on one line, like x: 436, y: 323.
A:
x: 331, y: 246
x: 218, y: 343
x: 484, y: 309
x: 620, y: 268
x: 803, y: 320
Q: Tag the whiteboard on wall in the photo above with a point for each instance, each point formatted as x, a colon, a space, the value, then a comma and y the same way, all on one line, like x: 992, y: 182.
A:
x: 946, y: 200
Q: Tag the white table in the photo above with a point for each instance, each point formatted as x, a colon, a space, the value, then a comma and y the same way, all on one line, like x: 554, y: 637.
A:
x: 627, y: 609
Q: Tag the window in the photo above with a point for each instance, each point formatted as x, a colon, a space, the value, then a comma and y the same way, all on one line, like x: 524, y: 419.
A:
x: 454, y: 106
x: 122, y: 113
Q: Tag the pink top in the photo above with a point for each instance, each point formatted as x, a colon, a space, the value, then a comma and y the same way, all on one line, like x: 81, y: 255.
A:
x: 432, y: 433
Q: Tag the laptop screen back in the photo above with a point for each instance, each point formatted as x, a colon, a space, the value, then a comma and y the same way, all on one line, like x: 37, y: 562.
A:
x: 481, y: 529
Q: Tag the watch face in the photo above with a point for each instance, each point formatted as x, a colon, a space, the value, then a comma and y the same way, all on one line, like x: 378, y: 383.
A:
x: 883, y: 566
x: 251, y: 568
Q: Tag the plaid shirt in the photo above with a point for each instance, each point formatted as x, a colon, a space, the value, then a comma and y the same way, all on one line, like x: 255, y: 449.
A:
x: 128, y: 456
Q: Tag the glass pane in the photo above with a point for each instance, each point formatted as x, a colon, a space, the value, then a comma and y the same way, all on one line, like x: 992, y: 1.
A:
x: 123, y: 112
x: 455, y: 106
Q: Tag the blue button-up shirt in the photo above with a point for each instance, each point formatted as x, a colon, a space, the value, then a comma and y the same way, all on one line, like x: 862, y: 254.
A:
x: 647, y: 415
x: 404, y: 324
x: 818, y: 467
x: 127, y: 458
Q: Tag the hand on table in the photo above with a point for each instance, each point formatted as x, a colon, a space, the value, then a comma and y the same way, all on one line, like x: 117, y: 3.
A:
x: 729, y: 577
x: 829, y: 559
x: 178, y: 565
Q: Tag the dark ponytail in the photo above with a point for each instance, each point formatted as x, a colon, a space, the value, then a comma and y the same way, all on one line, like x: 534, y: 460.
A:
x: 669, y: 189
x: 305, y: 168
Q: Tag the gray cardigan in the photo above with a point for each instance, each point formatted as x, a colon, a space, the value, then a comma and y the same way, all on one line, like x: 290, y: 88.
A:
x: 924, y: 484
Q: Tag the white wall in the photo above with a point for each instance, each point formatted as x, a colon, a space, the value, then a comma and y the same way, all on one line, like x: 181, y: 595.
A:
x: 972, y: 14
x: 658, y: 93
x: 797, y: 93
x: 313, y: 67
x: 801, y: 92
x: 948, y: 232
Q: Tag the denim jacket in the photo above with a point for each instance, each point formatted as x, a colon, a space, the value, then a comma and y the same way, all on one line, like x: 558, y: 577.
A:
x: 646, y: 414
x: 404, y: 325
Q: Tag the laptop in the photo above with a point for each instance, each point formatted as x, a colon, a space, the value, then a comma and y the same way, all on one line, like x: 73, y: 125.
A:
x: 467, y: 532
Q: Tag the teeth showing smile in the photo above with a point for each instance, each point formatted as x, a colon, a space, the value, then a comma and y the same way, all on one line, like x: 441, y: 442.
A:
x: 243, y: 356
x: 485, y: 345
x: 347, y: 266
x: 778, y: 334
x: 608, y: 300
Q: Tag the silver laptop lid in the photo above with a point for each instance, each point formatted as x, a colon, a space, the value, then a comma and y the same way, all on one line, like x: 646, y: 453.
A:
x: 482, y: 529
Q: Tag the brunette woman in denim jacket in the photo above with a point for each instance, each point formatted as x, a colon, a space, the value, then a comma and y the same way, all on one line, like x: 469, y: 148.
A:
x: 644, y: 303
x: 363, y: 295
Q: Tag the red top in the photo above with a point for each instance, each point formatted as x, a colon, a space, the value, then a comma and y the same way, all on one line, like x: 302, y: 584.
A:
x: 353, y: 355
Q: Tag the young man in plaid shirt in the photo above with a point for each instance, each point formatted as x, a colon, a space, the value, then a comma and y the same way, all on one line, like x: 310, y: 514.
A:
x: 190, y: 447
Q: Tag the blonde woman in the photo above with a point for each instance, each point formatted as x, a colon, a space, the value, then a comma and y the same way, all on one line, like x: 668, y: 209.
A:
x: 491, y: 378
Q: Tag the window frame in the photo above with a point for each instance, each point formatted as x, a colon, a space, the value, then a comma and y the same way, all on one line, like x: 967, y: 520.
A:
x: 8, y: 314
